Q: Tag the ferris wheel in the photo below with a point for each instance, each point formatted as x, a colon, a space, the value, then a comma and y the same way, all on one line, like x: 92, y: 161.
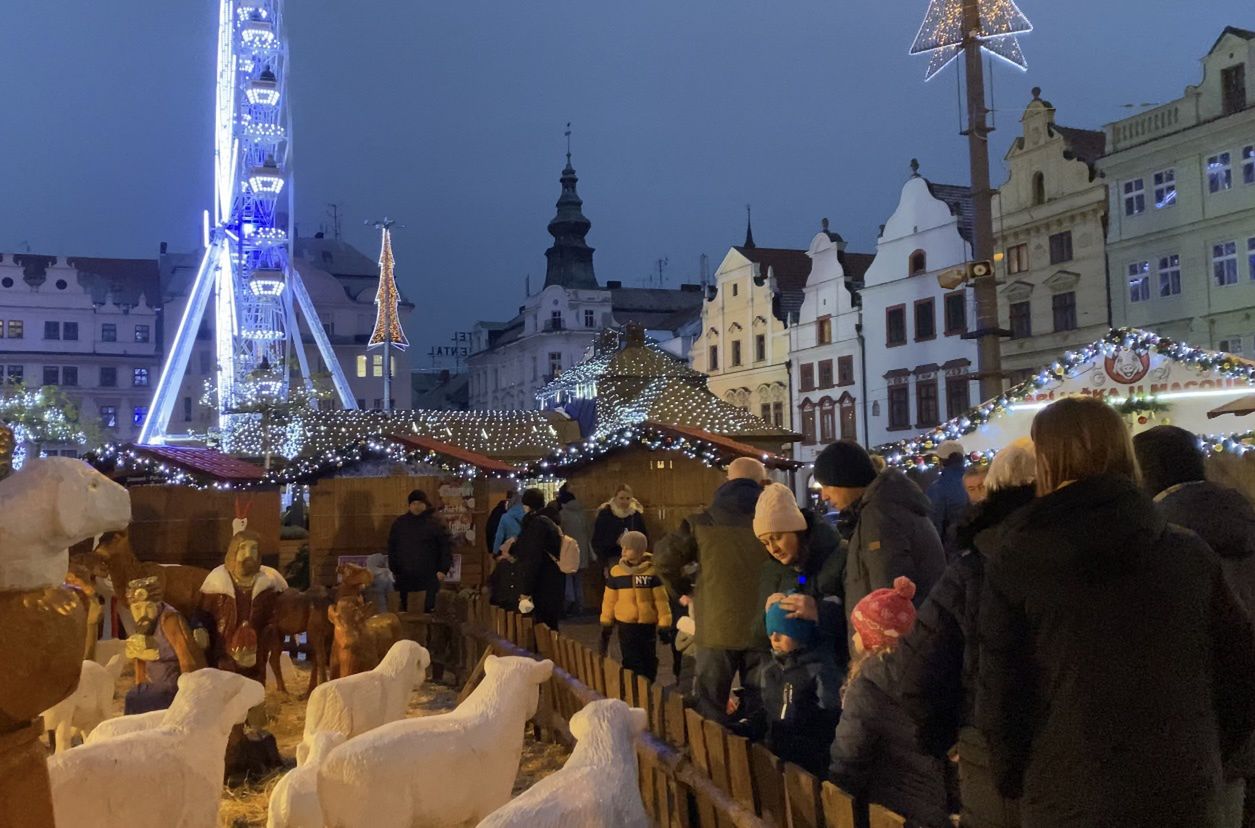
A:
x: 247, y: 266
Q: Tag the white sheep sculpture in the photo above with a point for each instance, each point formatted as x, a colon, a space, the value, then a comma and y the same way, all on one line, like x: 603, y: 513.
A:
x: 355, y: 704
x: 597, y: 787
x: 166, y: 777
x: 89, y: 704
x: 122, y: 725
x: 294, y: 801
x: 446, y: 771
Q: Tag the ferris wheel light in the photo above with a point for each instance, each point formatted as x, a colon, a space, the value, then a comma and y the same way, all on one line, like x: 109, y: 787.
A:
x: 258, y: 34
x: 263, y: 92
x: 266, y: 179
x: 266, y: 282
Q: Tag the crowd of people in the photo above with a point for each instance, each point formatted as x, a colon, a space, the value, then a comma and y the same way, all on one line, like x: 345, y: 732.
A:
x: 1060, y: 637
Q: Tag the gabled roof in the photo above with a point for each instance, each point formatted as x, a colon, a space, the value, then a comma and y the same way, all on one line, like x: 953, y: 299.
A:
x: 855, y: 265
x: 204, y: 465
x: 334, y: 256
x: 1086, y: 145
x: 726, y: 445
x: 791, y: 268
x: 121, y: 280
x: 469, y: 458
x: 959, y: 199
x: 1245, y: 34
x: 651, y: 307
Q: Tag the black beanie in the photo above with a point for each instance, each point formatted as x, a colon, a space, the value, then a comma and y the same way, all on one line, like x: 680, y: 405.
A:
x: 846, y: 464
x: 1168, y: 455
x: 534, y: 499
x: 419, y: 495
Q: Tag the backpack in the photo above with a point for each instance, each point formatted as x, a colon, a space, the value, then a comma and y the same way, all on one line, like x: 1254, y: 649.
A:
x: 569, y: 556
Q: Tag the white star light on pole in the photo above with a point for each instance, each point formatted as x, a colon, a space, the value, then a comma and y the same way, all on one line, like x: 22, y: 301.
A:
x: 941, y: 34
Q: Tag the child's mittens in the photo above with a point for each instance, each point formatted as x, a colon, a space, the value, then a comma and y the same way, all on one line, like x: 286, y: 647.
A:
x: 604, y: 644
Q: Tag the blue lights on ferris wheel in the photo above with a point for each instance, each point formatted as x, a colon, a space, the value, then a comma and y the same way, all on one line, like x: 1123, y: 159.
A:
x: 266, y: 179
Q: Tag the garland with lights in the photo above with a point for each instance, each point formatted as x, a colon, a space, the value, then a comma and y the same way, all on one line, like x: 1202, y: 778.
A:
x: 941, y: 34
x: 387, y: 321
x: 43, y: 415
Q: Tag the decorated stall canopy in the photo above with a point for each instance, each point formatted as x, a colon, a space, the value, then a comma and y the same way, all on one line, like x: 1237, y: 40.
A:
x: 1152, y: 380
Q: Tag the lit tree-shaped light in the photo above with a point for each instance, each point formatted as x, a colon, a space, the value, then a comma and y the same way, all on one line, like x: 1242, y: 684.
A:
x: 941, y: 34
x: 387, y: 321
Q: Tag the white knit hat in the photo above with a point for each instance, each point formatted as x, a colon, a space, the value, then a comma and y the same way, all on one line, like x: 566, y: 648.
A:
x: 777, y: 511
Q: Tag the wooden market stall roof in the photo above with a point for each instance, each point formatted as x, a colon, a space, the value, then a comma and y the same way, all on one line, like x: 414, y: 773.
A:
x: 727, y: 445
x: 1239, y: 407
x: 470, y: 458
x: 201, y: 464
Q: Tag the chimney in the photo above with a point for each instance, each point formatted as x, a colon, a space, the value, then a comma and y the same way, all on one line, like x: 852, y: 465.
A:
x: 163, y: 248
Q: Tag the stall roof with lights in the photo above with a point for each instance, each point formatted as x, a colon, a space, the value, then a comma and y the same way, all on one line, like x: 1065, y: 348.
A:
x: 176, y: 465
x: 461, y: 455
x: 1152, y: 380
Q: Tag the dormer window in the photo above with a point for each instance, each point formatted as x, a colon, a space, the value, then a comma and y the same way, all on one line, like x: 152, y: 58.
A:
x: 919, y: 263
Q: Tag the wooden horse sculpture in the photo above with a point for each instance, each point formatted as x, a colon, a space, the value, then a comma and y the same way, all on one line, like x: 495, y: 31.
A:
x: 299, y: 612
x: 362, y: 637
x: 179, y: 584
x: 82, y: 575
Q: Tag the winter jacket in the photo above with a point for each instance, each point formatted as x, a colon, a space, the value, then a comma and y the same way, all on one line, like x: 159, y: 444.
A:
x: 635, y: 595
x: 890, y: 534
x: 418, y: 547
x: 950, y: 503
x: 721, y: 541
x: 490, y: 528
x: 802, y: 699
x: 819, y: 576
x: 876, y: 756
x: 537, y: 550
x: 1117, y: 667
x: 574, y: 523
x: 935, y: 665
x: 510, y: 525
x: 609, y: 527
x: 1225, y: 519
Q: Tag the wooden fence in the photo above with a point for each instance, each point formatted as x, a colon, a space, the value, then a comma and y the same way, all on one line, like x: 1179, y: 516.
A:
x: 694, y: 772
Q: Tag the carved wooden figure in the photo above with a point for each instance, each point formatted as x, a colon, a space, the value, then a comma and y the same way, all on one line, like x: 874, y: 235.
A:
x: 240, y: 596
x: 162, y: 648
x: 361, y: 639
x: 299, y: 612
x: 180, y: 585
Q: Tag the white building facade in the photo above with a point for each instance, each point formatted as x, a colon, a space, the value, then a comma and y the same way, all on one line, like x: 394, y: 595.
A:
x: 1181, y: 229
x: 918, y: 364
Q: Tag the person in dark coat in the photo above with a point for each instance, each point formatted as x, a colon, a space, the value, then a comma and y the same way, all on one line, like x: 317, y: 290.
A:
x: 1117, y: 667
x: 541, y: 582
x: 935, y: 665
x: 801, y: 691
x: 494, y: 520
x: 885, y: 519
x: 621, y: 513
x: 503, y: 582
x: 876, y: 757
x: 420, y: 551
x: 718, y: 547
x: 948, y: 495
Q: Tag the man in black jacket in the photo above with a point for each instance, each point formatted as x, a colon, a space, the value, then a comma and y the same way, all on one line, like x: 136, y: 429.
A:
x: 419, y: 551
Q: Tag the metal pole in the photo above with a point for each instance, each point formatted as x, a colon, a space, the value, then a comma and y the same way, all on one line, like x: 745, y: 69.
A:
x: 387, y: 375
x: 989, y: 356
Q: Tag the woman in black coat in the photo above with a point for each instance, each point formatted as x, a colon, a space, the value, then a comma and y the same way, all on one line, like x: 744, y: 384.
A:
x: 1117, y: 668
x: 537, y: 550
x: 622, y: 513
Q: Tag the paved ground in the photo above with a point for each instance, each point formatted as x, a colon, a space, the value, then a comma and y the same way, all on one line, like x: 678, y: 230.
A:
x: 587, y: 630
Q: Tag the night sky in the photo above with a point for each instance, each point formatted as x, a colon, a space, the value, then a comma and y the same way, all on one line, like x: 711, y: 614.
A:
x: 450, y: 116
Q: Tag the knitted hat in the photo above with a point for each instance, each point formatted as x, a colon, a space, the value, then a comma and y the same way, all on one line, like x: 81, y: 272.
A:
x: 1168, y: 455
x: 777, y: 511
x: 534, y: 499
x: 633, y: 540
x: 884, y: 616
x: 845, y: 464
x: 747, y: 468
x: 801, y: 630
x: 420, y: 496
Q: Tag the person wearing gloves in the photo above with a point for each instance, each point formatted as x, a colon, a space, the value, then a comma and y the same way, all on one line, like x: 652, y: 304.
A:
x: 635, y: 603
x: 886, y: 520
x: 805, y: 569
x: 876, y: 755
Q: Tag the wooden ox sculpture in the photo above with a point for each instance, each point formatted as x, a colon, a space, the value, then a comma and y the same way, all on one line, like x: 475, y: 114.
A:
x: 362, y: 637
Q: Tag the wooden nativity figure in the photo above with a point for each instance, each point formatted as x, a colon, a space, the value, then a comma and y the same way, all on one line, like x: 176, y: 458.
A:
x: 162, y: 648
x: 240, y: 597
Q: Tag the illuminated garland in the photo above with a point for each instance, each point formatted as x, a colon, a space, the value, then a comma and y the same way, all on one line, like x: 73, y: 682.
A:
x: 387, y: 321
x: 40, y: 416
x: 941, y: 34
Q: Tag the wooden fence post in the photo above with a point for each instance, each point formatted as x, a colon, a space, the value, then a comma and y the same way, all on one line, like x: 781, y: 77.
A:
x: 838, y: 807
x: 802, y: 790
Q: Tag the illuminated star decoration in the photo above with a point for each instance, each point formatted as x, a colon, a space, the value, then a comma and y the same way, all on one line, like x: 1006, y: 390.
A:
x: 387, y: 322
x: 941, y: 34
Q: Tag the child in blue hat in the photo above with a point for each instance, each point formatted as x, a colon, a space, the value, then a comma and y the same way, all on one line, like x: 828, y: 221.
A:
x: 801, y: 692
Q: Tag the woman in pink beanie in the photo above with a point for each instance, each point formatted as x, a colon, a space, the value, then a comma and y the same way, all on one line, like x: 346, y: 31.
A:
x: 876, y: 755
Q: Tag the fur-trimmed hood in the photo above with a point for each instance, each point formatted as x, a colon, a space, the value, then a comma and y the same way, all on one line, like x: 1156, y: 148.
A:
x: 219, y: 582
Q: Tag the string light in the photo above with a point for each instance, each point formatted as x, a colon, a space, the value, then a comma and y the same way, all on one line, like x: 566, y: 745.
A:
x: 39, y: 416
x: 941, y: 35
x: 387, y: 320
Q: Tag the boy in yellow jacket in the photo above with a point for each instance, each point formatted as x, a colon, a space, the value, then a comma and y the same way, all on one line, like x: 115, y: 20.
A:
x: 636, y: 602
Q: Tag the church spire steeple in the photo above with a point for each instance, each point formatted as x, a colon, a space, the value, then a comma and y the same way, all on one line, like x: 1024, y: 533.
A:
x: 749, y: 228
x: 570, y: 258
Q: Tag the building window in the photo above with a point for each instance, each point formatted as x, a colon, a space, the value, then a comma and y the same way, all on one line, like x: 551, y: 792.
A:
x: 69, y: 375
x: 764, y: 411
x: 1219, y: 173
x: 1233, y: 88
x: 845, y: 370
x: 714, y: 358
x: 137, y: 417
x: 206, y: 365
x: 15, y: 374
x: 955, y: 307
x: 736, y: 352
x: 69, y: 331
x: 52, y: 330
x: 1, y: 329
x: 1169, y: 275
x: 187, y: 409
x: 925, y: 319
x: 1224, y: 263
x: 926, y: 402
x: 919, y: 262
x: 1230, y: 346
x: 958, y: 396
x: 1017, y: 258
x: 376, y: 365
x: 1061, y: 247
x: 1139, y: 281
x: 1063, y: 305
x: 108, y: 416
x: 15, y: 329
x: 141, y: 333
x: 108, y: 376
x: 361, y: 365
x: 1021, y: 320
x: 1134, y: 197
x: 895, y: 326
x: 555, y: 363
x: 1248, y: 164
x: 139, y: 377
x: 1039, y: 188
x: 777, y: 414
x: 849, y: 421
x: 808, y: 424
x: 555, y: 320
x: 1165, y: 189
x: 825, y: 373
x: 736, y: 289
x: 823, y: 330
x: 827, y: 422
x: 590, y: 319
x: 760, y: 347
x: 1250, y: 255
x: 109, y: 332
x: 52, y: 376
x: 808, y: 376
x: 899, y: 407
